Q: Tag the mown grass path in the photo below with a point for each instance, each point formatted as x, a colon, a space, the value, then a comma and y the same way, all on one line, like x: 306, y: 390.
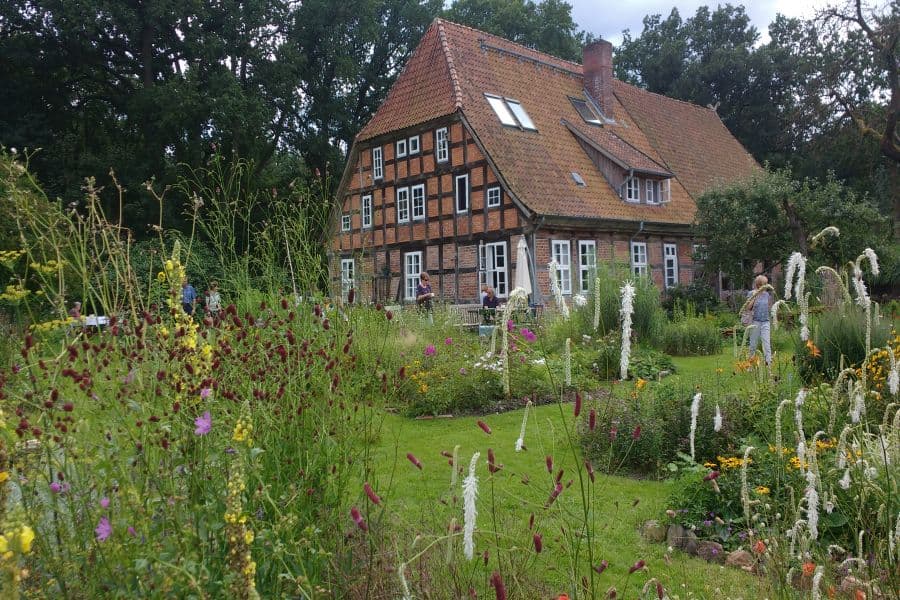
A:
x: 416, y: 501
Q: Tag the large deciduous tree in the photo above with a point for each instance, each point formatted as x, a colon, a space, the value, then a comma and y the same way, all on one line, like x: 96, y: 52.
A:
x: 764, y: 219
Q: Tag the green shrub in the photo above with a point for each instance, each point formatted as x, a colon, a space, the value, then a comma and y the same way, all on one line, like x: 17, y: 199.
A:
x: 649, y: 363
x: 691, y: 336
x: 836, y: 334
x: 698, y: 294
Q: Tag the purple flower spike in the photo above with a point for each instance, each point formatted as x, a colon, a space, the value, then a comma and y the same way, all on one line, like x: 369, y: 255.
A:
x: 104, y: 502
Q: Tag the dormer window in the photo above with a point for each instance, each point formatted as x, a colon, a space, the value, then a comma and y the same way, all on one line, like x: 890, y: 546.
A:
x: 510, y: 112
x: 633, y: 189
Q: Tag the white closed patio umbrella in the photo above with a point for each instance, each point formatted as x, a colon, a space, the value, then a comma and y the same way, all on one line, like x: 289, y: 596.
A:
x: 523, y: 273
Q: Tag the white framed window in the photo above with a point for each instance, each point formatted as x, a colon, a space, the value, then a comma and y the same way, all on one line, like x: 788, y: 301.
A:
x: 524, y: 120
x: 652, y: 194
x: 345, y: 222
x: 698, y: 253
x: 633, y: 189
x: 587, y: 264
x: 401, y: 148
x: 403, y: 205
x: 665, y: 191
x: 501, y: 110
x: 462, y: 193
x: 418, y: 202
x: 562, y: 254
x: 670, y: 262
x: 377, y: 163
x: 639, y: 258
x: 413, y: 146
x: 441, y: 145
x: 412, y: 268
x: 365, y: 210
x: 493, y: 196
x: 348, y: 275
x: 585, y: 111
x: 493, y: 267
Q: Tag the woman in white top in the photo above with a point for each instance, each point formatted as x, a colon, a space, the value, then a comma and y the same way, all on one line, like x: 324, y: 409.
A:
x: 213, y: 300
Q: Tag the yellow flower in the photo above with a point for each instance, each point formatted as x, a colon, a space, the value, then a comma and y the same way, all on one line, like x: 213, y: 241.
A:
x: 25, y: 538
x: 4, y: 475
x: 762, y: 490
x: 161, y: 277
x: 4, y: 544
x: 248, y: 537
x: 640, y: 383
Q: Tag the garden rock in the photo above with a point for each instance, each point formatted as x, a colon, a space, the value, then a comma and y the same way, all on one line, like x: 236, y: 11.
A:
x: 740, y: 558
x: 653, y: 531
x: 681, y: 538
x: 711, y: 551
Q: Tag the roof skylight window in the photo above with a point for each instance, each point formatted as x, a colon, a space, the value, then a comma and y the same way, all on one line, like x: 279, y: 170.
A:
x: 584, y: 109
x: 524, y: 120
x: 501, y: 110
x: 578, y: 179
x: 510, y: 112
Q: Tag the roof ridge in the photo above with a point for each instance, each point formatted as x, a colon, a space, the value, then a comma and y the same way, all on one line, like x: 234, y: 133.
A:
x: 646, y: 91
x: 507, y: 41
x: 454, y: 78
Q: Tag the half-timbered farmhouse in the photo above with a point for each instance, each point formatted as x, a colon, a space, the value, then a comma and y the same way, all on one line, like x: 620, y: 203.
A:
x: 482, y: 141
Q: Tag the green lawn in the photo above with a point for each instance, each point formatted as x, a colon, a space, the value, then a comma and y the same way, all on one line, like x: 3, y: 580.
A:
x: 620, y: 505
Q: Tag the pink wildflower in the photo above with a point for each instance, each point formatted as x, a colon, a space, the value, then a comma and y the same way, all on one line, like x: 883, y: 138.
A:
x: 484, y: 427
x: 430, y: 350
x: 104, y: 502
x: 538, y: 542
x: 497, y: 584
x: 205, y: 392
x: 203, y: 423
x: 592, y: 419
x: 528, y: 334
x: 55, y: 487
x: 549, y: 461
x: 636, y: 434
x: 577, y: 404
x: 415, y: 461
x: 358, y: 519
x: 103, y: 529
x: 637, y: 566
x: 371, y: 493
x: 448, y: 342
x: 554, y: 495
x: 601, y: 567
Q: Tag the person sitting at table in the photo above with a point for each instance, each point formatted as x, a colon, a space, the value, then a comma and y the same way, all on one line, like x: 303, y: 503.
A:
x: 490, y: 299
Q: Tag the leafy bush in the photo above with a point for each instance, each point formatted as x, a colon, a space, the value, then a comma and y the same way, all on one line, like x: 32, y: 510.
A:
x: 836, y: 334
x: 648, y: 363
x: 662, y: 412
x: 691, y: 336
x: 698, y: 294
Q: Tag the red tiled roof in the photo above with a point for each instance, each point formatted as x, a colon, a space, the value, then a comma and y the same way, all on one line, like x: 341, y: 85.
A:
x: 427, y: 88
x: 691, y: 139
x: 454, y: 66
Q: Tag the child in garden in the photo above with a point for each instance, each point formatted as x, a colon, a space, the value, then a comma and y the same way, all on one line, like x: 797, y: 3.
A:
x: 213, y: 300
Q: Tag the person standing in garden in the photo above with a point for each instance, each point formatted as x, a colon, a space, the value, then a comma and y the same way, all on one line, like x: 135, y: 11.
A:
x: 213, y: 300
x: 188, y: 297
x: 424, y: 294
x: 760, y: 305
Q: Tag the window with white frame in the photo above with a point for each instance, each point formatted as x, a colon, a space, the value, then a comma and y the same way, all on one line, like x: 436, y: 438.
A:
x: 665, y: 191
x: 501, y: 110
x: 377, y: 163
x: 413, y: 146
x: 403, y: 205
x: 401, y: 148
x: 462, y: 193
x: 653, y: 190
x: 493, y: 196
x: 633, y: 189
x: 412, y: 268
x: 418, y: 202
x: 493, y: 267
x: 670, y: 260
x: 587, y: 264
x: 348, y: 274
x: 524, y: 120
x: 441, y: 145
x: 561, y: 252
x: 345, y: 222
x: 366, y: 210
x: 639, y: 258
x: 698, y: 253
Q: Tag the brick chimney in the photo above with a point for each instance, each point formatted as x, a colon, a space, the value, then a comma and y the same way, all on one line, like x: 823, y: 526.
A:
x: 598, y: 74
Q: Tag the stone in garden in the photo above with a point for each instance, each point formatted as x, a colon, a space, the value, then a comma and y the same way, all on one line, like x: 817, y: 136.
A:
x: 740, y: 558
x: 653, y: 531
x: 681, y: 538
x: 711, y: 551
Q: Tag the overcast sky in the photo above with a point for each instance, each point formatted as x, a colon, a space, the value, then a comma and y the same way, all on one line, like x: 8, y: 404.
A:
x: 608, y: 18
